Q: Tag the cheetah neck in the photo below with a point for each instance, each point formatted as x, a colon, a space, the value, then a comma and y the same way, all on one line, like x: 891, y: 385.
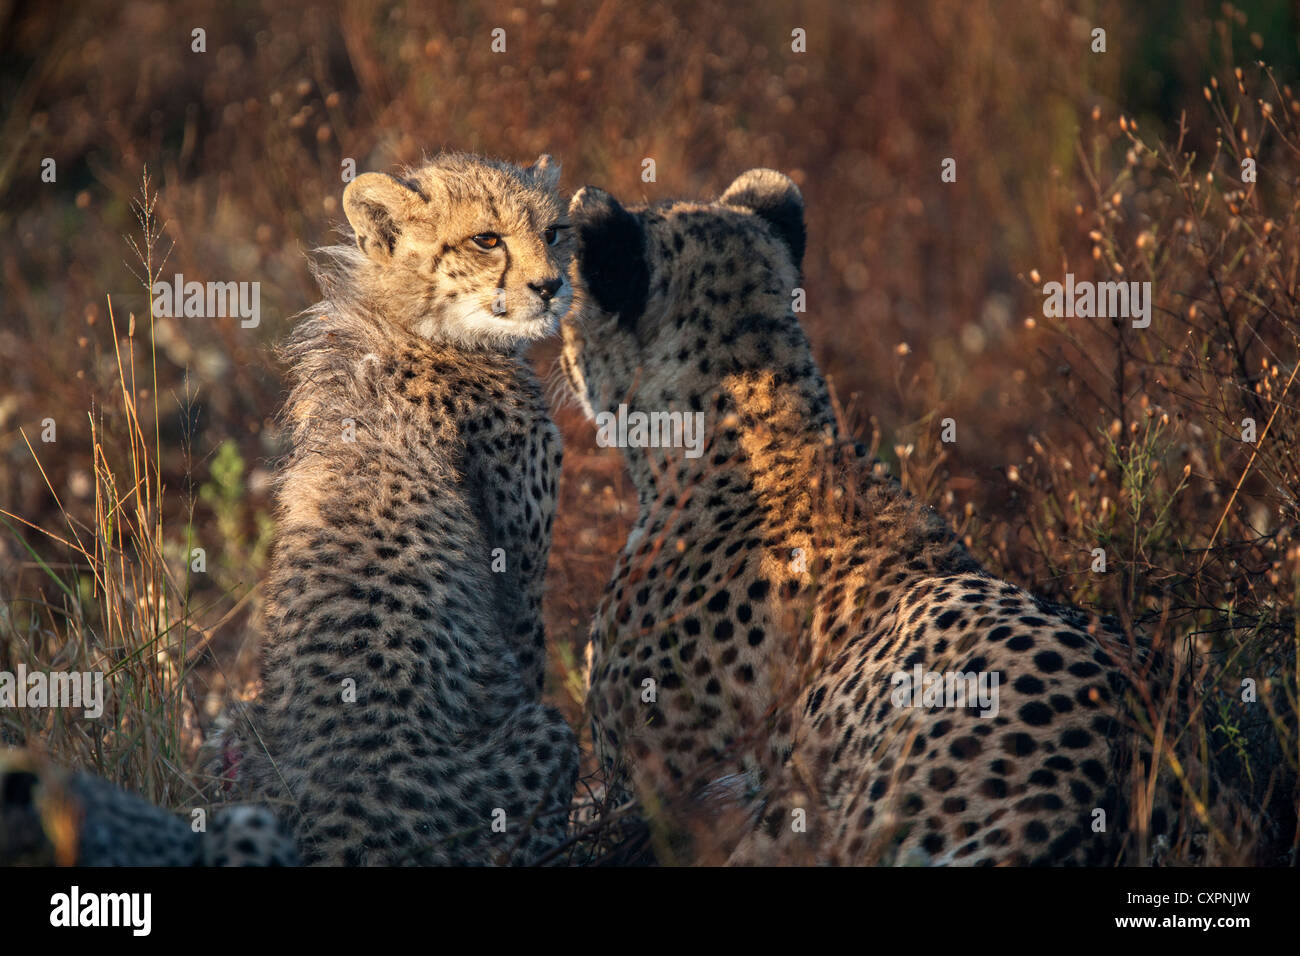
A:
x: 347, y: 361
x: 775, y: 450
x: 772, y: 430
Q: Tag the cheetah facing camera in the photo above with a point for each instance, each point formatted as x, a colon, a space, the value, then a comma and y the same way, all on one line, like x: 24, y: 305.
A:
x: 398, y: 720
x: 778, y: 592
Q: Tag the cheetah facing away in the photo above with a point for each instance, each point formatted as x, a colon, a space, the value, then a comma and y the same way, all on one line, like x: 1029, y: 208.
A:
x: 399, y: 717
x: 775, y: 587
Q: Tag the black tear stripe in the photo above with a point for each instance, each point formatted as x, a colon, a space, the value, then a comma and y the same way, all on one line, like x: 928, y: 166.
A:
x: 446, y: 248
x: 501, y: 283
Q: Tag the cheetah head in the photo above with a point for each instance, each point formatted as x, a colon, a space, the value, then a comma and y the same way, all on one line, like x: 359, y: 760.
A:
x: 464, y: 249
x: 679, y: 300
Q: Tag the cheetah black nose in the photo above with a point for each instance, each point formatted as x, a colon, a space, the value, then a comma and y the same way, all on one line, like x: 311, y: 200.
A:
x: 547, y: 287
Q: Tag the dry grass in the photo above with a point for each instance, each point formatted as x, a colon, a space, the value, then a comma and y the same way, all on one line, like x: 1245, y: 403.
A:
x: 917, y: 296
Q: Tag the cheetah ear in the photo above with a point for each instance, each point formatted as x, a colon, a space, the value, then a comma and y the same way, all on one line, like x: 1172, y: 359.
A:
x: 611, y: 255
x: 775, y: 199
x: 546, y: 171
x: 376, y: 205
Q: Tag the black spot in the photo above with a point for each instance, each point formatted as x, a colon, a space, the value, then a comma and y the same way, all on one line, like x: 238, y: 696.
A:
x: 818, y: 696
x: 1019, y: 744
x: 1070, y: 639
x: 1076, y: 739
x: 1043, y: 778
x: 1029, y: 684
x: 1093, y: 770
x: 997, y: 838
x: 994, y: 787
x: 1035, y: 713
x: 942, y: 778
x: 1048, y: 661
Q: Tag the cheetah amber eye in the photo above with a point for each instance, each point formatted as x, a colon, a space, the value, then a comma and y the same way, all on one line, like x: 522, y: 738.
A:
x: 552, y: 234
x: 487, y: 240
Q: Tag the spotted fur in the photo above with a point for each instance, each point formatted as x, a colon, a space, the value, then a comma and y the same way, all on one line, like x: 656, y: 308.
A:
x: 422, y: 454
x: 772, y: 588
x: 50, y: 816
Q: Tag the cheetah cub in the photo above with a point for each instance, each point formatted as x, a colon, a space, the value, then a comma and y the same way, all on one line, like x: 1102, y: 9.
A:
x: 398, y: 720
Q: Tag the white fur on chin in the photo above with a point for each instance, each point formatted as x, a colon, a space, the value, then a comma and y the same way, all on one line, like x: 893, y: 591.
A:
x: 478, y: 326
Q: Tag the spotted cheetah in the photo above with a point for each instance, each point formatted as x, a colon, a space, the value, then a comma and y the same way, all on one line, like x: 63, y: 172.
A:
x: 399, y: 719
x: 779, y: 593
x: 50, y: 816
